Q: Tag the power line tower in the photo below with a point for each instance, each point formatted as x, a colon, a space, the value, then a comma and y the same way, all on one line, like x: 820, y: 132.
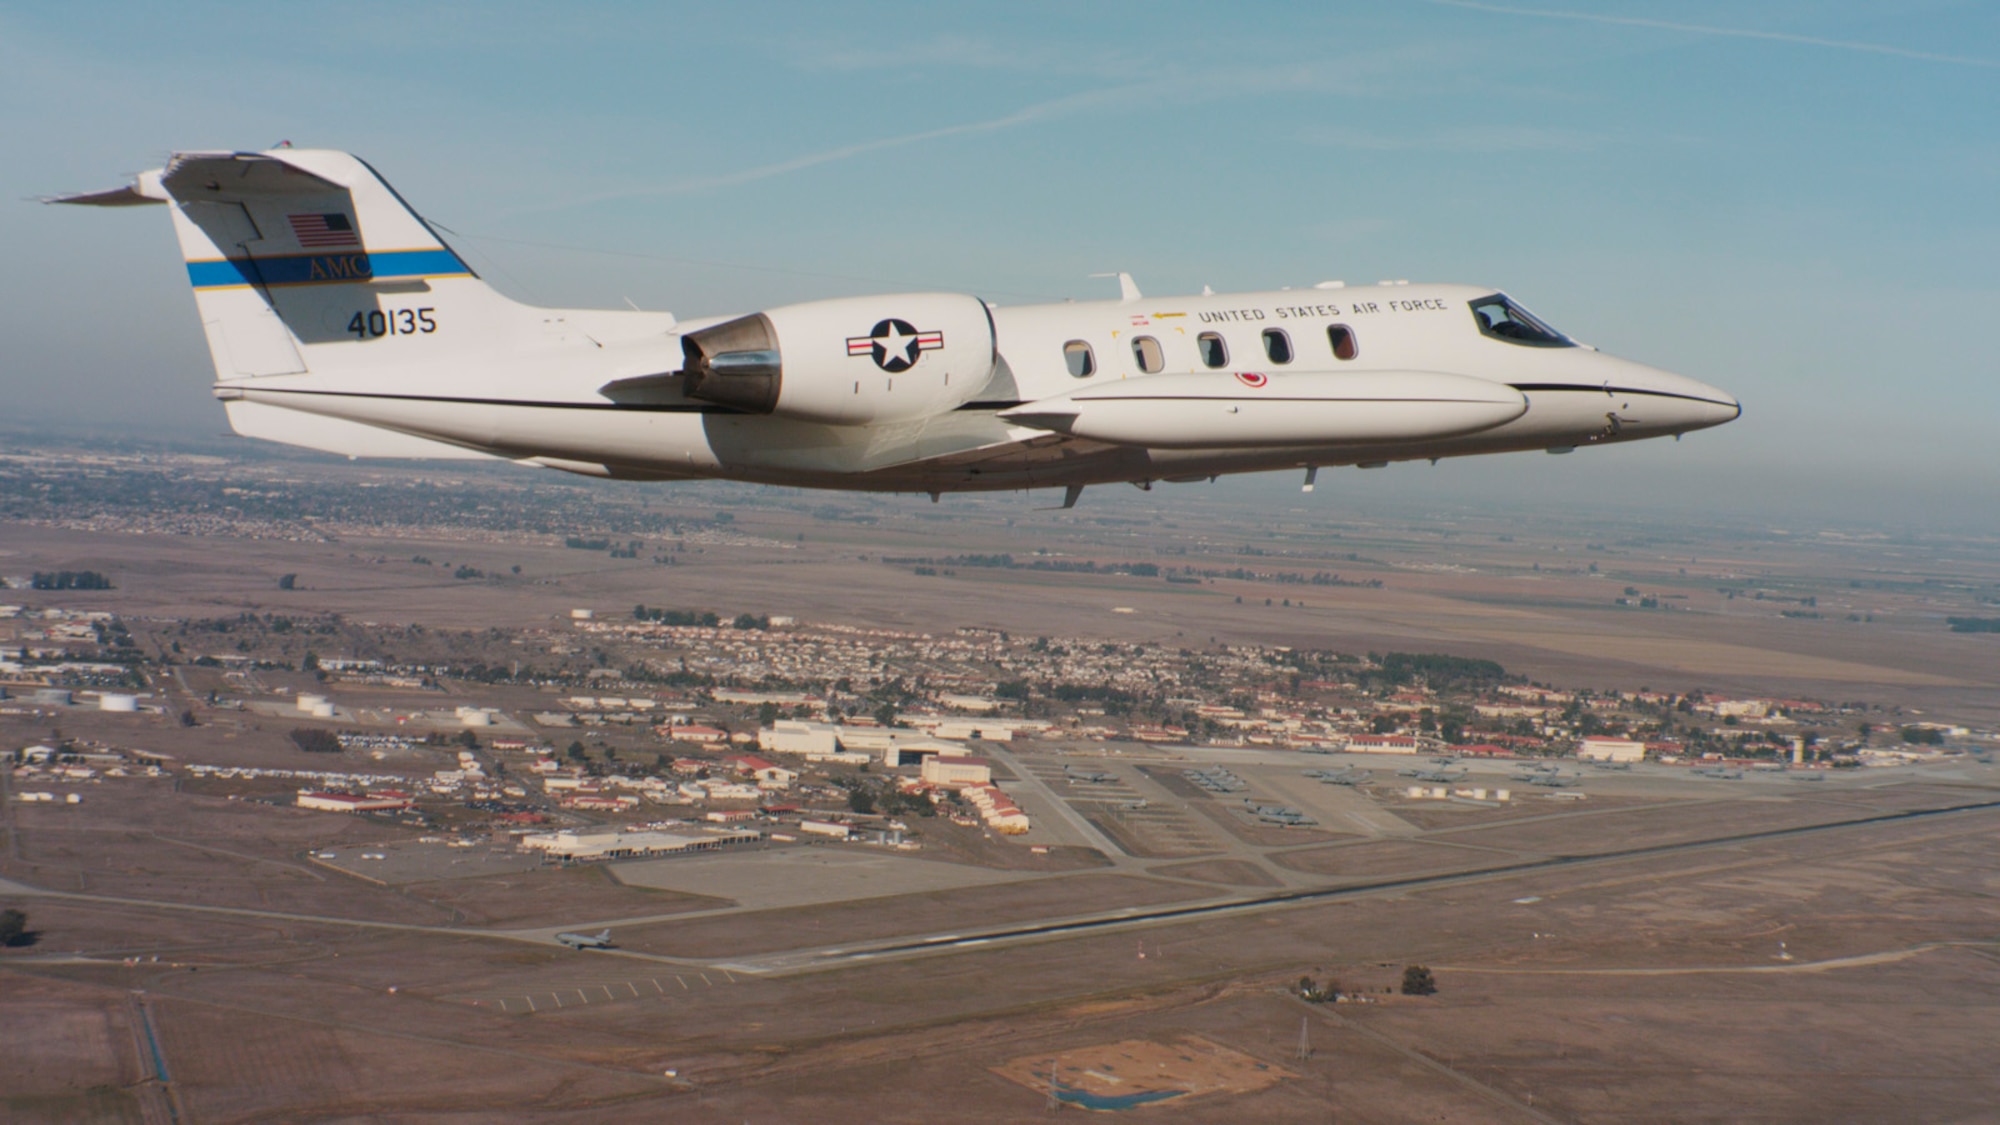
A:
x: 1305, y: 1040
x: 1053, y: 1103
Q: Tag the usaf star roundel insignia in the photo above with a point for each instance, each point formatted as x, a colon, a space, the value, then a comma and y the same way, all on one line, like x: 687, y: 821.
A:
x: 895, y: 344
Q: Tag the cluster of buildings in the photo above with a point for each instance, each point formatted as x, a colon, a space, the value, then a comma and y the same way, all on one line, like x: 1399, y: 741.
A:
x: 997, y: 809
x: 42, y: 764
x: 325, y: 779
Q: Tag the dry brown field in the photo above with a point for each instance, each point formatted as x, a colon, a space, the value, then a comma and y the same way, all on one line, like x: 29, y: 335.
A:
x: 1675, y: 957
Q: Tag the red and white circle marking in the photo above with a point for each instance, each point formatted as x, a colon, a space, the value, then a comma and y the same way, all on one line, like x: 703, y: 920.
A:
x: 1255, y: 379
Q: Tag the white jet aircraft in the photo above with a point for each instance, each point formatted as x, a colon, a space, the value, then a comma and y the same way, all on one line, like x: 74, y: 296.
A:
x: 339, y: 320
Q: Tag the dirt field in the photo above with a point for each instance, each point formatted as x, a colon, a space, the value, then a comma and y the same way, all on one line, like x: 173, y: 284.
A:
x: 1841, y: 973
x: 1386, y: 859
x: 1675, y: 958
x: 873, y: 918
x: 1140, y: 1072
x: 1228, y: 872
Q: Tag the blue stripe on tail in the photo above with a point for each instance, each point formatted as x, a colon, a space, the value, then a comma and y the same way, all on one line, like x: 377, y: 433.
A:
x: 325, y: 269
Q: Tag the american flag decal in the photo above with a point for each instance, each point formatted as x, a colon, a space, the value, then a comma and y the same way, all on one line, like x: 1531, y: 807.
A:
x: 334, y: 229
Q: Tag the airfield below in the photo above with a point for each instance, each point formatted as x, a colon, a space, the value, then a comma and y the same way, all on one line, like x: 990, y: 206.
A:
x: 1646, y: 944
x: 1707, y: 948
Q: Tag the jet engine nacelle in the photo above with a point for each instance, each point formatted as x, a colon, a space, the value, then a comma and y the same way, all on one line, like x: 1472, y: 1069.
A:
x: 849, y: 361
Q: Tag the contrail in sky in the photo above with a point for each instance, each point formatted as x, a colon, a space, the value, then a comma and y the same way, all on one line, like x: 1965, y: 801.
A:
x: 1729, y: 32
x: 766, y: 171
x: 1037, y: 112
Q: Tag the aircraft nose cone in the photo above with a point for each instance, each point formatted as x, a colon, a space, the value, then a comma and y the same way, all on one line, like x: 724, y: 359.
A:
x: 1721, y: 407
x: 1675, y: 403
x: 1717, y: 406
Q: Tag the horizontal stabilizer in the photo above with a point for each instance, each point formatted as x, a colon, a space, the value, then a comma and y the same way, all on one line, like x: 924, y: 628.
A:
x: 131, y: 195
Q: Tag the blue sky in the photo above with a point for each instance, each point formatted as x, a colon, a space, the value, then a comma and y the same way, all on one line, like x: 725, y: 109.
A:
x: 1792, y: 200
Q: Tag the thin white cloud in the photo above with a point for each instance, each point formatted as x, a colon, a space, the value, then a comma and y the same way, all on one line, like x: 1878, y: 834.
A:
x: 1040, y: 111
x: 1465, y: 139
x: 1351, y: 76
x: 1727, y: 32
x: 1033, y: 113
x: 951, y: 51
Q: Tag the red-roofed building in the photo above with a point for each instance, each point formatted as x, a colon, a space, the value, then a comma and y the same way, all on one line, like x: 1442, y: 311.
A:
x: 692, y: 732
x: 352, y: 802
x: 768, y: 774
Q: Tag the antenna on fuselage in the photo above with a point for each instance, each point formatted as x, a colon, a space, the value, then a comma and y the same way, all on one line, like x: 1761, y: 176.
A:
x: 1128, y: 290
x: 1070, y: 495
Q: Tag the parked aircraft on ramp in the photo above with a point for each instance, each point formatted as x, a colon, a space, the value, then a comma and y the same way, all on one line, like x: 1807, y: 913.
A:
x: 1557, y: 780
x: 1352, y: 776
x: 580, y: 942
x: 338, y: 319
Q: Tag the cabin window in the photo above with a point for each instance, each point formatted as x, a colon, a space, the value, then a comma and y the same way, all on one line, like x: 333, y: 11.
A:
x: 1499, y: 317
x: 1342, y: 339
x: 1146, y: 351
x: 1277, y: 345
x: 1078, y: 356
x: 1214, y: 353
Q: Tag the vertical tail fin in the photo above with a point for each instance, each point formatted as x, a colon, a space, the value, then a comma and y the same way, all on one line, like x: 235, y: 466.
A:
x: 327, y: 301
x: 292, y: 249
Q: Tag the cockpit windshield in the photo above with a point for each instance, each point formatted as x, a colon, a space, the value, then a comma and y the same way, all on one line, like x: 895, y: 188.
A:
x: 1499, y: 317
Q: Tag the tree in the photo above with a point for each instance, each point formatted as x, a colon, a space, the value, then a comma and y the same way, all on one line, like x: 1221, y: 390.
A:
x: 1417, y: 981
x: 13, y: 927
x: 315, y: 741
x: 468, y: 740
x: 1318, y: 993
x: 860, y: 799
x: 576, y: 751
x: 288, y: 581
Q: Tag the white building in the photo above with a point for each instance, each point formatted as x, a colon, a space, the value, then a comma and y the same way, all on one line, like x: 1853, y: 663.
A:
x: 570, y: 844
x: 794, y: 736
x: 953, y: 772
x: 1610, y: 750
x: 898, y: 747
x: 352, y: 803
